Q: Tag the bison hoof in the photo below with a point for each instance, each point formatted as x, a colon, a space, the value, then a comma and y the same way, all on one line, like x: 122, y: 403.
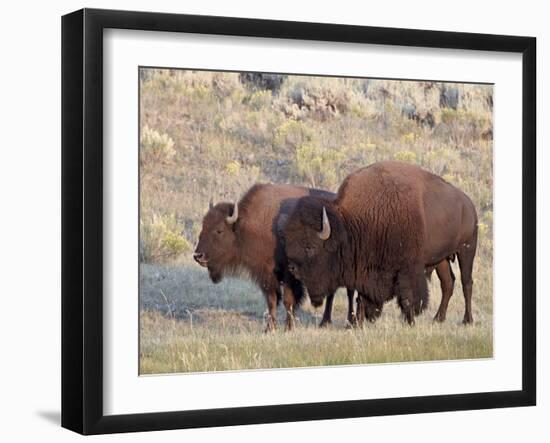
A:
x: 439, y: 318
x: 468, y: 321
x: 324, y: 323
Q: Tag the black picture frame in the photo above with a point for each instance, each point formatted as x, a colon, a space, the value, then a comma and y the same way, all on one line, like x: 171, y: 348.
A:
x: 82, y: 219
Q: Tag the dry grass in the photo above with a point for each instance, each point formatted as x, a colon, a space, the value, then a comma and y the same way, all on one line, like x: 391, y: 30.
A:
x: 219, y: 327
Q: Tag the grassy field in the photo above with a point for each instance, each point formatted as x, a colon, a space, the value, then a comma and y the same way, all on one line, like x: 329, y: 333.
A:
x: 211, y: 135
x: 188, y: 324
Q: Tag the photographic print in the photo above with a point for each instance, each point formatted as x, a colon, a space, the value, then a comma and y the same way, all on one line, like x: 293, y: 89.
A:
x: 301, y: 221
x: 287, y: 203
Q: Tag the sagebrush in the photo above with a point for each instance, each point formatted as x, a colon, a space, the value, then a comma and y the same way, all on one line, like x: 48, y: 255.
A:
x: 209, y: 136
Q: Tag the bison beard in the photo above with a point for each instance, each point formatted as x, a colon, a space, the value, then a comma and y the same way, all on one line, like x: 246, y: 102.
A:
x: 388, y: 224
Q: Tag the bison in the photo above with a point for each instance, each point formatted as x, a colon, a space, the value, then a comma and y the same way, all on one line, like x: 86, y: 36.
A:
x: 242, y: 236
x: 389, y: 222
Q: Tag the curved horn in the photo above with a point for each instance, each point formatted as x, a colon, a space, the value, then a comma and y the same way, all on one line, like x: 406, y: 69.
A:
x: 233, y: 218
x: 211, y: 203
x: 325, y: 232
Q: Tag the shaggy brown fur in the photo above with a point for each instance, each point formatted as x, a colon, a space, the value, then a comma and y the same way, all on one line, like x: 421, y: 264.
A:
x: 388, y: 223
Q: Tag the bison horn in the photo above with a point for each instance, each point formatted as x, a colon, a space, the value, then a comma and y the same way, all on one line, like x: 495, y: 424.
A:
x: 211, y: 203
x: 325, y: 232
x: 233, y: 218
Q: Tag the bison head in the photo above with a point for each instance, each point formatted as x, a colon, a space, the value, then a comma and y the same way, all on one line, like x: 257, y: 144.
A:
x: 217, y: 247
x: 312, y: 237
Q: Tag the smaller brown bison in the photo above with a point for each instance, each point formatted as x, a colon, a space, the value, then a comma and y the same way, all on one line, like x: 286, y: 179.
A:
x: 242, y: 236
x: 388, y: 223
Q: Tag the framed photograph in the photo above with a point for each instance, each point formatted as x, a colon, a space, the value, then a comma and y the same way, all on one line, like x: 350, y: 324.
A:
x: 266, y: 221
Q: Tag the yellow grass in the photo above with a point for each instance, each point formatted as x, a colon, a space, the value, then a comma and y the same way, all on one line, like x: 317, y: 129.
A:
x: 183, y: 336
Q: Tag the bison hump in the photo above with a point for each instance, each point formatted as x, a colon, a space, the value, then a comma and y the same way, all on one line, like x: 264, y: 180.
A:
x: 384, y: 209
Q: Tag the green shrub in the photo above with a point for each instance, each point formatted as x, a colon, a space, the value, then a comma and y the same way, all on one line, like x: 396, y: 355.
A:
x: 260, y: 99
x: 442, y: 161
x: 155, y: 148
x: 319, y: 166
x: 292, y: 134
x: 225, y: 85
x: 464, y: 127
x: 233, y: 167
x: 405, y: 156
x: 161, y: 238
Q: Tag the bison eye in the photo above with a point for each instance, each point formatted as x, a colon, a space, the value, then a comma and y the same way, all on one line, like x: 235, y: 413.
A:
x: 219, y: 231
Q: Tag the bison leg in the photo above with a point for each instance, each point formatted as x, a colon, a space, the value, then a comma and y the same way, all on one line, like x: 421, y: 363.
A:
x: 466, y: 262
x: 360, y: 310
x: 352, y: 320
x: 406, y: 306
x: 327, y: 314
x: 271, y: 317
x: 289, y: 302
x: 373, y: 310
x: 447, y: 280
x: 367, y: 309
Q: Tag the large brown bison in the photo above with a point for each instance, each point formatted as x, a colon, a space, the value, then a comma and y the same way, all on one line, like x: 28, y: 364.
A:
x: 243, y: 237
x: 389, y: 222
